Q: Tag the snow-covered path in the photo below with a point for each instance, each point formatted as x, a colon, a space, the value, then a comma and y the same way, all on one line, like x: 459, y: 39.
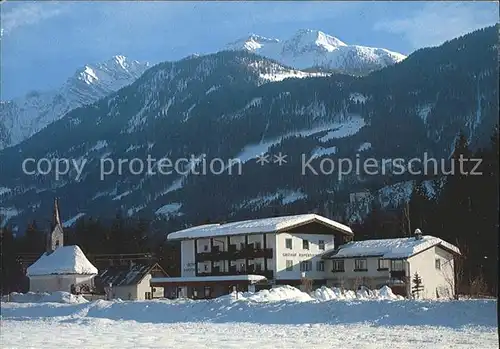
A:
x: 102, y: 333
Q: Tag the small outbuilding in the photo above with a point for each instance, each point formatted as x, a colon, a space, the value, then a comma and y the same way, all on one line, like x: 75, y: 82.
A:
x: 130, y: 281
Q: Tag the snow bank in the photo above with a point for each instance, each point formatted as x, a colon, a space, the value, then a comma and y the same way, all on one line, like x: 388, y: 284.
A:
x: 277, y: 294
x: 267, y: 308
x: 323, y: 294
x: 328, y: 294
x: 34, y: 297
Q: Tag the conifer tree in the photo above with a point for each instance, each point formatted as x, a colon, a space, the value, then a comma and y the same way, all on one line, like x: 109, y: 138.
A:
x: 417, y: 286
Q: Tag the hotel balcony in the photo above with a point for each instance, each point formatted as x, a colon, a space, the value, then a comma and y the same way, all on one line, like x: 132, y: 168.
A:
x: 398, y: 274
x: 232, y: 271
x: 248, y: 252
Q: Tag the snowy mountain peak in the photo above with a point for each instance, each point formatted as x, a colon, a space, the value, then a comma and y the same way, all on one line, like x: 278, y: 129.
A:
x: 117, y: 68
x: 88, y: 75
x: 121, y: 60
x: 306, y: 39
x: 23, y: 117
x: 251, y: 43
x: 309, y: 48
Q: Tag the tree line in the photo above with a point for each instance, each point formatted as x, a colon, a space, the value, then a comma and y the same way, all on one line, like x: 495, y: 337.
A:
x: 464, y: 212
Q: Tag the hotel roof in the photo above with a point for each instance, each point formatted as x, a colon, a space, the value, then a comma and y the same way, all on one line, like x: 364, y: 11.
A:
x: 389, y: 248
x: 257, y: 226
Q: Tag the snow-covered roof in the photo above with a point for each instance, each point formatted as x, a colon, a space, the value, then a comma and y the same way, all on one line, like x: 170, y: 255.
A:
x: 64, y: 260
x: 256, y: 226
x: 389, y: 248
x: 253, y: 278
x: 125, y: 275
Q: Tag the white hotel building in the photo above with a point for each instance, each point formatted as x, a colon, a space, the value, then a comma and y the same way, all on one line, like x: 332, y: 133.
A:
x: 260, y: 253
x: 256, y: 253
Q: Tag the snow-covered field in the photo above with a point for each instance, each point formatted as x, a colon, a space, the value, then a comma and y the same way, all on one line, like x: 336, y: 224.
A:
x: 280, y: 318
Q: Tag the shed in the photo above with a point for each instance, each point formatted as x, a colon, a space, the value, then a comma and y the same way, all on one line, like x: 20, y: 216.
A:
x: 131, y: 281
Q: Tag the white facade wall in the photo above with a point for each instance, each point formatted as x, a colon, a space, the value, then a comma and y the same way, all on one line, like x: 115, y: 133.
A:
x: 54, y: 283
x: 203, y: 245
x: 256, y: 239
x: 237, y: 240
x: 435, y: 281
x: 371, y: 278
x: 271, y: 243
x: 223, y: 265
x: 219, y: 242
x: 205, y: 267
x: 258, y: 261
x: 239, y: 263
x: 297, y: 254
x: 280, y: 253
x: 188, y: 258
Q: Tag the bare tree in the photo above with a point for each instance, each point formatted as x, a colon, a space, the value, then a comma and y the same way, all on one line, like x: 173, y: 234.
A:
x: 406, y: 218
x: 454, y: 275
x: 306, y: 284
x: 478, y: 286
x: 358, y: 282
x: 342, y: 284
x: 459, y: 263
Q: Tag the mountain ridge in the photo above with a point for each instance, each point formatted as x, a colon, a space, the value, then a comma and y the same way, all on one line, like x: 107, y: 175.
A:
x: 220, y: 105
x: 24, y: 116
x: 309, y: 48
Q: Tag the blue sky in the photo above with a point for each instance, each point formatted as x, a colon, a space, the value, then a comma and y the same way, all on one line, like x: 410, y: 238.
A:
x: 43, y: 43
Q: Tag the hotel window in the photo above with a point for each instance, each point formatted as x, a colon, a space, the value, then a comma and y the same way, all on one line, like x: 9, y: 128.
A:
x: 289, y: 265
x: 360, y: 264
x: 305, y: 266
x: 397, y: 265
x: 438, y: 264
x: 257, y: 246
x: 305, y: 244
x: 205, y: 267
x: 338, y: 265
x: 205, y: 248
x: 288, y: 244
x: 383, y: 264
x: 208, y: 292
x: 258, y: 266
x: 320, y: 266
x: 321, y: 245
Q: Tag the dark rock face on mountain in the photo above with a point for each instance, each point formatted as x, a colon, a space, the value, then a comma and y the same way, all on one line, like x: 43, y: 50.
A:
x: 237, y: 105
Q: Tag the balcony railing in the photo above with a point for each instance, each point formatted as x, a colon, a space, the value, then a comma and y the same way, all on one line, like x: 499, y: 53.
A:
x: 267, y: 273
x: 233, y: 254
x: 398, y: 274
x: 251, y: 252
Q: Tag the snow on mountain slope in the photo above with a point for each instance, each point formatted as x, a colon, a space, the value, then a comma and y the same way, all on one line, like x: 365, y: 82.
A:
x: 22, y: 117
x: 315, y: 49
